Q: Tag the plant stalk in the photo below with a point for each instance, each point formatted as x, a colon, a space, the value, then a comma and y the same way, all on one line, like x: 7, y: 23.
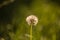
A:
x: 31, y: 32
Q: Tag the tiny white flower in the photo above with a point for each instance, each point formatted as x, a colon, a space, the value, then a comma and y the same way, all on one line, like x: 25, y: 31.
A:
x: 32, y: 19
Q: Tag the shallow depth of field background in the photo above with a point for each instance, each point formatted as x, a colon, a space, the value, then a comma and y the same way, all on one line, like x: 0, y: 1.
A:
x: 13, y: 19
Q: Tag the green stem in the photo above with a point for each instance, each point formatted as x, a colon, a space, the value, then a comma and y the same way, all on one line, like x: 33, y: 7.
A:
x: 31, y: 32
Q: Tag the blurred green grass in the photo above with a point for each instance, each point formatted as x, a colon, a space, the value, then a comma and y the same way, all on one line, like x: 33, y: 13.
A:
x: 48, y: 25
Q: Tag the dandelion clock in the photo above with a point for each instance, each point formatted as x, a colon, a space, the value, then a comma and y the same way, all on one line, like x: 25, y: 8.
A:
x: 32, y: 20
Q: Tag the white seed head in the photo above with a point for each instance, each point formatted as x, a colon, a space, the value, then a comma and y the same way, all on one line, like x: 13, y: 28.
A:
x: 32, y: 19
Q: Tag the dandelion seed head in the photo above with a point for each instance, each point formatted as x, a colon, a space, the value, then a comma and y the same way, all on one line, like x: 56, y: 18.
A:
x: 32, y: 19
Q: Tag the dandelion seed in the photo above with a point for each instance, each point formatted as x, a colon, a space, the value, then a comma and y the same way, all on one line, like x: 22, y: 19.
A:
x: 32, y: 19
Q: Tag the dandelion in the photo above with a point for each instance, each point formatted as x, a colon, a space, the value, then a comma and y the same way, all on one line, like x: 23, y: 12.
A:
x: 31, y: 20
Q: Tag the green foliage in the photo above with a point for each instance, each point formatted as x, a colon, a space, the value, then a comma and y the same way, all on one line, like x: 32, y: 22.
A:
x: 48, y: 26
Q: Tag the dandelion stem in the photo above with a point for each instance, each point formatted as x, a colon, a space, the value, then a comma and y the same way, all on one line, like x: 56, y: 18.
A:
x: 31, y: 32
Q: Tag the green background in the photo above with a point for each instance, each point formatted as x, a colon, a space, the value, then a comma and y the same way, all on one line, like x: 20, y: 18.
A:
x: 47, y: 11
